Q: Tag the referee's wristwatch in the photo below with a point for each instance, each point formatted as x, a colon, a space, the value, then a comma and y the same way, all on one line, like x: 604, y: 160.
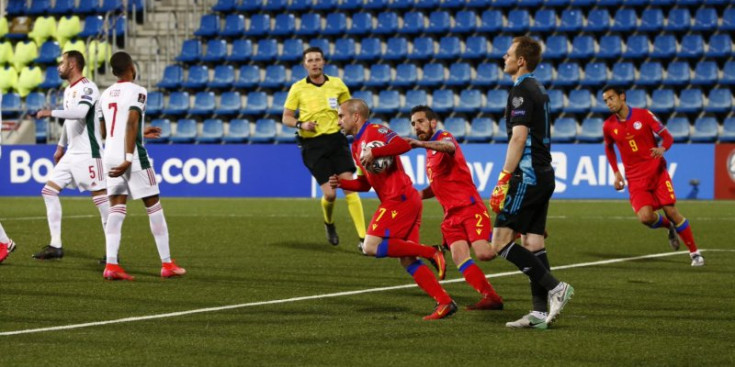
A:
x: 298, y: 125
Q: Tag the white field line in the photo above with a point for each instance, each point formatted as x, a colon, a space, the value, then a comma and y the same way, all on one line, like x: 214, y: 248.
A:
x: 322, y: 296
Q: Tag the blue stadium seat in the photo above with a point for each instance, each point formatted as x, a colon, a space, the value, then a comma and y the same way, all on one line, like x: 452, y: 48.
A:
x: 478, y: 3
x: 651, y: 74
x: 354, y: 75
x: 257, y: 103
x: 277, y: 103
x: 719, y: 46
x: 679, y: 128
x: 452, y: 4
x: 275, y: 77
x: 396, y: 49
x: 300, y: 5
x: 204, y: 104
x: 481, y: 130
x: 557, y: 47
x: 556, y: 100
x: 491, y: 21
x: 224, y: 6
x: 470, y: 101
x: 637, y: 47
x: 260, y: 25
x: 239, y: 132
x: 118, y: 27
x: 505, y: 80
x: 677, y: 74
x: 61, y: 7
x: 93, y: 27
x: 248, y: 6
x: 623, y: 73
x: 380, y: 75
x: 325, y: 5
x: 442, y: 101
x: 197, y: 78
x: 565, y: 130
x: 500, y: 46
x: 352, y: 5
x: 433, y: 75
x: 413, y: 23
x: 460, y: 74
x: 519, y: 21
x: 679, y: 20
x: 311, y: 25
x: 728, y: 130
x: 600, y: 106
x: 598, y: 20
x: 487, y: 75
x: 213, y: 130
x: 286, y: 134
x: 86, y: 7
x: 154, y: 105
x: 362, y: 24
x: 323, y: 44
x: 406, y: 75
x: 331, y: 69
x: 36, y: 101
x: 235, y: 26
x: 107, y: 6
x: 439, y: 22
x: 41, y: 130
x: 284, y: 25
x: 583, y: 47
x: 401, y: 126
x: 267, y: 50
x: 456, y: 126
x: 582, y: 3
x: 414, y: 98
x: 496, y: 101
x: 557, y: 3
x: 465, y: 21
x: 690, y: 101
x: 705, y: 130
x: 664, y: 3
x: 728, y: 20
x: 591, y: 131
x: 611, y: 47
x: 705, y: 19
x: 662, y: 101
x: 625, y: 20
x: 501, y: 133
x: 544, y: 21
x: 370, y: 49
x: 12, y: 106
x: 230, y: 104
x: 165, y: 126
x: 344, y: 49
x: 265, y: 131
x: 705, y: 73
x: 16, y: 7
x: 567, y: 74
x: 366, y: 96
x: 423, y: 49
x: 389, y: 102
x: 242, y: 51
x: 387, y: 23
x: 449, y: 48
x: 173, y: 75
x: 186, y: 132
x: 216, y: 51
x: 652, y: 20
x: 636, y: 98
x: 595, y: 74
x: 336, y: 24
x: 293, y: 49
x: 692, y: 47
x: 728, y: 73
x: 273, y: 6
x: 572, y: 20
x: 580, y: 101
x: 51, y: 79
x: 48, y: 52
x: 664, y: 46
x: 720, y: 100
x: 248, y: 77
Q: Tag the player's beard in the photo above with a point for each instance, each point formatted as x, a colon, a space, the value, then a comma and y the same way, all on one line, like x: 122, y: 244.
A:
x: 424, y: 135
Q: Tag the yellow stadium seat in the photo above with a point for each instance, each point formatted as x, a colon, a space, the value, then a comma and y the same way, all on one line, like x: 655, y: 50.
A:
x: 3, y: 27
x: 6, y: 53
x: 99, y: 53
x: 77, y: 45
x: 25, y: 53
x: 68, y: 27
x: 29, y: 79
x: 43, y: 29
x: 8, y: 78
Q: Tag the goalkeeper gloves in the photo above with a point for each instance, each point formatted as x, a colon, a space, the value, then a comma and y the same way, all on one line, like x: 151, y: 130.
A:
x: 497, y: 199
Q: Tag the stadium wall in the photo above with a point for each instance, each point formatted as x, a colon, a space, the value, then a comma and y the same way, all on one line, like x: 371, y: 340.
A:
x: 276, y: 170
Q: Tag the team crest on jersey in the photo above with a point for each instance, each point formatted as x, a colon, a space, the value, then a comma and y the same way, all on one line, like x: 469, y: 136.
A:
x: 615, y: 131
x: 516, y: 102
x: 88, y: 91
x: 383, y: 130
x: 141, y: 98
x: 637, y: 125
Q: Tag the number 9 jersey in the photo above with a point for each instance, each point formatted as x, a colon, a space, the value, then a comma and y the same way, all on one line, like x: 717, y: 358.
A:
x: 114, y: 108
x: 635, y: 138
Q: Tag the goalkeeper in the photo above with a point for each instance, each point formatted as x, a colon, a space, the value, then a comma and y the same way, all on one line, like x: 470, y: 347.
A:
x: 521, y: 197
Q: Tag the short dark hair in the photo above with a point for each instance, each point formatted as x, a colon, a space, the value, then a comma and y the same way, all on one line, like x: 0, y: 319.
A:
x: 120, y: 63
x: 77, y: 57
x: 530, y: 50
x: 617, y: 90
x: 430, y: 114
x: 313, y: 49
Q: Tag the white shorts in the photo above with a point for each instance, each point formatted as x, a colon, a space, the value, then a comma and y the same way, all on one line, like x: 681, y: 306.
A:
x: 138, y: 185
x: 79, y: 171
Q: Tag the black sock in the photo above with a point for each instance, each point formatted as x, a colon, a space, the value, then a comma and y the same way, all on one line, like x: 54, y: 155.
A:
x: 529, y: 265
x: 539, y: 294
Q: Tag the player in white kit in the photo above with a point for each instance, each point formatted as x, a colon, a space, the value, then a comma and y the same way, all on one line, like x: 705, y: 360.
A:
x: 122, y: 109
x: 80, y: 166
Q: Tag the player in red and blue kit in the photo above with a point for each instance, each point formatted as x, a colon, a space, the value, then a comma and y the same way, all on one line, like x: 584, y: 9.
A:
x: 394, y: 228
x: 466, y: 219
x: 649, y: 183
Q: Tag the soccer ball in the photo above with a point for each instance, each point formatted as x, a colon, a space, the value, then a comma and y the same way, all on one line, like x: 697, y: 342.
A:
x: 379, y: 164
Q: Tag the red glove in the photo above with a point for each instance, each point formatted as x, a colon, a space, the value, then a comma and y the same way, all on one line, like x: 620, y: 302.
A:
x: 497, y: 199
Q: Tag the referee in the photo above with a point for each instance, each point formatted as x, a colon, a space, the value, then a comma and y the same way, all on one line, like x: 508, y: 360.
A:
x: 324, y: 149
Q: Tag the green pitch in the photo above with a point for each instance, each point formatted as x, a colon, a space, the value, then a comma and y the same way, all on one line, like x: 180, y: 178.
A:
x: 653, y: 311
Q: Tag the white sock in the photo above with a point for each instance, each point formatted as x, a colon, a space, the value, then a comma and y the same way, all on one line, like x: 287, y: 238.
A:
x: 160, y: 231
x: 3, y: 236
x: 103, y: 205
x: 113, y: 231
x: 53, y: 214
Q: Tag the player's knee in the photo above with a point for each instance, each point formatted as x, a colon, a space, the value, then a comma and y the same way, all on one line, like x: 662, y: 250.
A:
x: 485, y: 254
x: 330, y: 195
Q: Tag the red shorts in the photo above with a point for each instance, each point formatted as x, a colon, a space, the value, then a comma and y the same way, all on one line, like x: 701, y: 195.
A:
x: 470, y: 223
x: 655, y: 191
x: 400, y: 220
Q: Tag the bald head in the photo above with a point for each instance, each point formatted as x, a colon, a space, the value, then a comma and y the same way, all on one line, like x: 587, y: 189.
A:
x: 352, y: 115
x: 358, y: 106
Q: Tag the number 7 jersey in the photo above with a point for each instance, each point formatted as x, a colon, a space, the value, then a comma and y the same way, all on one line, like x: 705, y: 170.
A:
x: 114, y: 107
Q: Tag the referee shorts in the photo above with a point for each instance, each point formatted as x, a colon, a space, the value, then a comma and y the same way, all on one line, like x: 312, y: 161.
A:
x: 527, y: 205
x: 326, y: 155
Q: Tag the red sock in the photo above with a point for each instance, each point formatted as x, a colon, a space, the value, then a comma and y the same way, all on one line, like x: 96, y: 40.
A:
x: 400, y: 248
x: 685, y: 232
x: 476, y: 278
x: 665, y: 222
x: 427, y: 281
